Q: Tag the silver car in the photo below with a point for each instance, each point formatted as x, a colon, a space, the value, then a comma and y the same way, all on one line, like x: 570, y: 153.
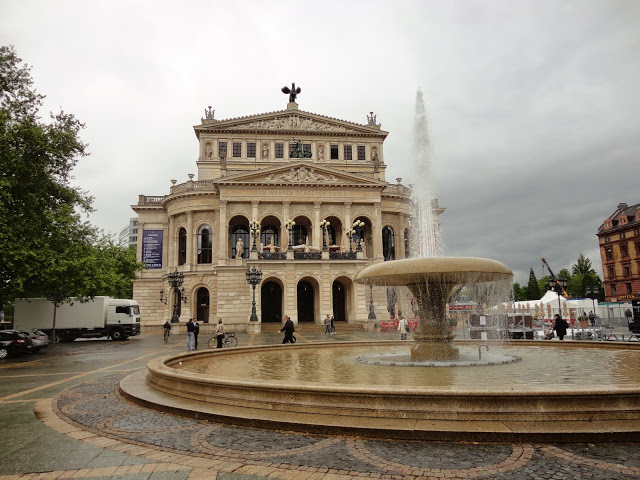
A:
x: 39, y: 339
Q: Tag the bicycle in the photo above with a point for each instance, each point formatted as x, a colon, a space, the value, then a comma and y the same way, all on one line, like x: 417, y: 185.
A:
x: 229, y: 341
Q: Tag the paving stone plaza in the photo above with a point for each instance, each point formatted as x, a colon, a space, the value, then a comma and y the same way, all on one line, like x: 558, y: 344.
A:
x: 62, y: 417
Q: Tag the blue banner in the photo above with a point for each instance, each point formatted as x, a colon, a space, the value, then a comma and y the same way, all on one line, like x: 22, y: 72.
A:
x: 152, y: 248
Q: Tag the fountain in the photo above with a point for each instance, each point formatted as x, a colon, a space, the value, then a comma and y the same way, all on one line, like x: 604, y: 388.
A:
x: 559, y: 391
x: 431, y: 280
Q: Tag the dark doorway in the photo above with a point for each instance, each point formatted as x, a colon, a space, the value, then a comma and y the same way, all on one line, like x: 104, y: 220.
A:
x: 339, y: 301
x: 203, y: 305
x: 305, y: 302
x: 271, y: 302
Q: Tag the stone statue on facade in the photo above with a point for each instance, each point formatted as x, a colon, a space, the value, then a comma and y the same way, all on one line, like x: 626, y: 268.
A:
x: 293, y: 92
x: 208, y: 152
x: 371, y: 120
x: 223, y: 159
x: 239, y: 248
x: 376, y: 160
x: 320, y: 152
x: 297, y: 150
x: 209, y: 115
x: 265, y: 150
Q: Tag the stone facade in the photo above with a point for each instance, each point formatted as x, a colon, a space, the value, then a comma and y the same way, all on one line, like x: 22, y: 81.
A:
x: 274, y: 169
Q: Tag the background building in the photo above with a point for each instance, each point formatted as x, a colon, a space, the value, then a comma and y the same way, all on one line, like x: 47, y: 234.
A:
x: 619, y: 238
x: 301, y: 196
x: 129, y: 235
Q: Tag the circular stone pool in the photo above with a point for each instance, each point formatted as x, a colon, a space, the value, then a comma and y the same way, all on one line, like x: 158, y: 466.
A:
x: 557, y: 392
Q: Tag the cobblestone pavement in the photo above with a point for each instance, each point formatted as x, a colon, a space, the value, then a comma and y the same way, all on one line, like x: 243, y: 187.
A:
x: 85, y: 429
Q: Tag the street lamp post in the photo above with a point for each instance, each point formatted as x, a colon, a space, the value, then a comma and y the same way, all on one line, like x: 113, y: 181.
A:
x: 176, y: 279
x: 592, y: 292
x: 324, y: 224
x: 289, y: 224
x: 558, y: 285
x: 358, y: 227
x: 372, y: 312
x: 254, y: 228
x: 254, y: 277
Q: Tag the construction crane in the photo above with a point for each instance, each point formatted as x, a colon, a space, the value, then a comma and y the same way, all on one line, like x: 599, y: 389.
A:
x: 554, y: 278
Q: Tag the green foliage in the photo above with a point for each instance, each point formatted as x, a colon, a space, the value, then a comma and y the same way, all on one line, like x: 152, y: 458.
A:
x: 533, y: 290
x: 519, y: 293
x: 46, y: 249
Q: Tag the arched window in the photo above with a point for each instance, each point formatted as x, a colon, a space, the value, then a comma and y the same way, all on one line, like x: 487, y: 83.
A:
x: 204, y: 244
x: 388, y: 244
x: 331, y: 235
x: 299, y: 235
x: 407, y: 252
x: 182, y: 246
x: 269, y: 235
x: 240, y: 231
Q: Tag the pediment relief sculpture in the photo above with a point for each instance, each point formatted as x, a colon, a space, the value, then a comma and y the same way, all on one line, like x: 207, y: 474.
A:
x: 301, y: 175
x: 292, y: 122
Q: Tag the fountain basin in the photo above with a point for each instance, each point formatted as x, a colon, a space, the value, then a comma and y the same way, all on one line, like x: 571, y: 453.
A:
x: 259, y: 386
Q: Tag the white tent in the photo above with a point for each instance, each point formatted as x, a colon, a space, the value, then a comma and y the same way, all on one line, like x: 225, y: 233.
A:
x: 575, y: 306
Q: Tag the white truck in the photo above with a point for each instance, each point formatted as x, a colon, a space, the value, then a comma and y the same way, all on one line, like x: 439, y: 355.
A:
x: 100, y: 317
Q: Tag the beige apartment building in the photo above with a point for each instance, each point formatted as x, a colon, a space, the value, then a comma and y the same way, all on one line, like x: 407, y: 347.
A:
x: 301, y: 197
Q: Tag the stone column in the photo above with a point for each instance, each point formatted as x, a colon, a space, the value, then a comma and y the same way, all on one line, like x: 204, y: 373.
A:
x: 191, y: 235
x: 284, y: 233
x: 317, y: 231
x: 139, y: 242
x: 399, y: 236
x: 223, y: 234
x: 348, y: 224
x: 171, y: 237
x: 376, y: 232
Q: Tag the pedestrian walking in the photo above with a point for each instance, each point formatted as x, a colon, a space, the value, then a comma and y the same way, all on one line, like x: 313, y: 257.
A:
x: 403, y: 327
x: 196, y: 331
x: 190, y: 337
x: 219, y: 333
x: 288, y: 330
x: 592, y: 319
x: 333, y: 326
x: 167, y: 329
x: 560, y: 326
x: 327, y: 324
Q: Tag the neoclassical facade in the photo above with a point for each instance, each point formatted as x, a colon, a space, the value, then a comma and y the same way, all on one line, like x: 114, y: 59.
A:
x: 300, y: 196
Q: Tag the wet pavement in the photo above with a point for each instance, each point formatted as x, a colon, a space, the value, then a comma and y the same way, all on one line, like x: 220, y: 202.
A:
x: 62, y: 417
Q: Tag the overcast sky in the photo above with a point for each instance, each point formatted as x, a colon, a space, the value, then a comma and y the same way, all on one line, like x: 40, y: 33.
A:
x: 533, y: 106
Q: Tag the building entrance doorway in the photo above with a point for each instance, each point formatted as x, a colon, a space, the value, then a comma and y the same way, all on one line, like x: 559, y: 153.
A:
x: 339, y: 301
x: 271, y: 302
x: 202, y: 298
x: 306, y: 296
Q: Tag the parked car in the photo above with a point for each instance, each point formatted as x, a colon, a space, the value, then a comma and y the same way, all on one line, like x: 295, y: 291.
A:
x: 39, y: 339
x: 13, y: 342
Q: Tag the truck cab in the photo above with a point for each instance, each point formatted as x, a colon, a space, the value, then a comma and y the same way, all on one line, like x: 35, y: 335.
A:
x: 123, y: 318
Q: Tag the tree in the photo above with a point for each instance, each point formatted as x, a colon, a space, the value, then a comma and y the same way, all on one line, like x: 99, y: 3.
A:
x: 519, y: 293
x: 46, y: 249
x: 533, y: 290
x: 39, y: 209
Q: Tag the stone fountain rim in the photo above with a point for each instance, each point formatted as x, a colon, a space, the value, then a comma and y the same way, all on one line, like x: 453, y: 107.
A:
x: 161, y: 366
x: 443, y: 269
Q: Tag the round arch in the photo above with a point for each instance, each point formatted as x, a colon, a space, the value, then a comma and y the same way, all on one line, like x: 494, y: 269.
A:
x: 238, y: 227
x: 342, y: 298
x: 271, y: 300
x: 308, y: 300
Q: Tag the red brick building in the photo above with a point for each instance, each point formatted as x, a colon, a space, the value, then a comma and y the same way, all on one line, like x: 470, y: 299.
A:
x: 619, y: 238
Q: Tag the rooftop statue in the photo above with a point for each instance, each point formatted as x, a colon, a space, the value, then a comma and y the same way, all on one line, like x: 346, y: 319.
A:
x: 297, y: 151
x: 293, y: 92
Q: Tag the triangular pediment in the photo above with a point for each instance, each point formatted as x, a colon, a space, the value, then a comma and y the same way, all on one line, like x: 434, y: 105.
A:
x: 289, y: 121
x: 300, y: 173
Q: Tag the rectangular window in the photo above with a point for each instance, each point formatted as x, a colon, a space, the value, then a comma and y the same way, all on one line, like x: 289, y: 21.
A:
x: 348, y: 152
x: 222, y: 147
x: 607, y: 238
x: 609, y: 253
x: 628, y: 287
x: 306, y: 149
x: 279, y: 150
x: 251, y: 149
x: 611, y: 271
x: 237, y: 149
x: 614, y: 291
x: 627, y: 270
x: 637, y: 248
x: 334, y: 152
x: 361, y: 155
x: 622, y: 235
x: 624, y: 251
x: 636, y: 232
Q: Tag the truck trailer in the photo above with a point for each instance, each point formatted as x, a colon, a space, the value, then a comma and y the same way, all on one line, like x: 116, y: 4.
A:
x: 100, y: 317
